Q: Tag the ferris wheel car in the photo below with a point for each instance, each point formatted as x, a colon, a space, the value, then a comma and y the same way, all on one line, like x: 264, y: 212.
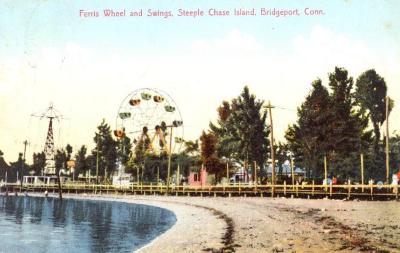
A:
x: 134, y: 102
x: 145, y: 96
x: 124, y: 115
x: 169, y: 108
x: 149, y: 121
x: 158, y: 99
x: 119, y: 133
x: 177, y: 123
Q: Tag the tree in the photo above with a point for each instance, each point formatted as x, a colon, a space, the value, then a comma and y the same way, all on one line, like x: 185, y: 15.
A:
x: 347, y: 128
x: 106, y: 149
x: 307, y: 139
x: 124, y: 149
x: 395, y: 153
x: 370, y: 95
x: 81, y: 164
x: 17, y: 169
x: 329, y: 125
x: 69, y: 150
x: 241, y: 129
x: 39, y: 161
x: 60, y: 159
x: 209, y: 156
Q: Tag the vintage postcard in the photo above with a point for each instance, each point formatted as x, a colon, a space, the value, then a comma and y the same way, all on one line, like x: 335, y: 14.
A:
x: 199, y: 126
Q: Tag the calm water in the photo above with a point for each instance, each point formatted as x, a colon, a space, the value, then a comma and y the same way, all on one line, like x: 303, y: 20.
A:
x: 34, y: 224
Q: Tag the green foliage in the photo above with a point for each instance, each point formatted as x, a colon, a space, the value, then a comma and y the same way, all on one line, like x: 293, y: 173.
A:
x: 208, y: 153
x: 39, y: 161
x: 370, y: 96
x: 329, y: 125
x: 60, y: 159
x: 124, y: 149
x: 19, y: 168
x: 105, y: 150
x: 241, y: 129
x: 69, y: 150
x: 81, y: 163
x: 395, y: 153
x: 308, y: 138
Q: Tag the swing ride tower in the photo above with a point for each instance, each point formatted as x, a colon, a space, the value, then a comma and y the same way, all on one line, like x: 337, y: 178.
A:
x: 49, y: 150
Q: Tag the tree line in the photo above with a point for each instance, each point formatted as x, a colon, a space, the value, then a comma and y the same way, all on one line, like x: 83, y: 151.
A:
x: 338, y: 121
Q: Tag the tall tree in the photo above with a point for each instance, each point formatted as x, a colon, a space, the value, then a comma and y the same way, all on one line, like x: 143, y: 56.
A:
x: 124, y: 149
x: 106, y: 147
x: 60, y: 159
x: 241, y: 129
x: 209, y: 154
x: 17, y: 169
x: 370, y: 95
x: 39, y: 161
x: 69, y: 150
x: 329, y: 125
x: 81, y: 165
x: 307, y: 139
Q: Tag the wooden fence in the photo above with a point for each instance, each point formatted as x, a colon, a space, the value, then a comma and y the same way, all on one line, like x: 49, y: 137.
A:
x: 282, y: 190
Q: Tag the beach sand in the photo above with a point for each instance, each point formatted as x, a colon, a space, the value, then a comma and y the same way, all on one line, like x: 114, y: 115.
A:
x: 208, y: 224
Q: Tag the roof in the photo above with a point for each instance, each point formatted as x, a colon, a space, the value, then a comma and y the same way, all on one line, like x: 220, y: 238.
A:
x: 3, y: 165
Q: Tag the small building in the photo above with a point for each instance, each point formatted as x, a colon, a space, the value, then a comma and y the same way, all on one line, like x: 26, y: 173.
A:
x: 201, y: 178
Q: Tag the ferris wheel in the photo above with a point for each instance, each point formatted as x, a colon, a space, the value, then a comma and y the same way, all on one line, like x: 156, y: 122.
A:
x: 148, y: 116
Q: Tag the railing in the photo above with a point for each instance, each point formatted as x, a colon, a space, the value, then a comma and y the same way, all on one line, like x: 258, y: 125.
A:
x: 308, y: 190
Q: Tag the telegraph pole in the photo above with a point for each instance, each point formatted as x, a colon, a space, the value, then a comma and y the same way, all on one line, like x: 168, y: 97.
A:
x: 23, y: 161
x: 169, y: 159
x: 272, y: 145
x: 387, y: 139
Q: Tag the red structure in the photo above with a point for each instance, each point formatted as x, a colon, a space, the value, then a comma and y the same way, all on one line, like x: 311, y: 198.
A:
x: 198, y: 179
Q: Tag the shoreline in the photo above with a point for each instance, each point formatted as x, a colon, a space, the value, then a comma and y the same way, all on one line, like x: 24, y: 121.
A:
x: 270, y: 224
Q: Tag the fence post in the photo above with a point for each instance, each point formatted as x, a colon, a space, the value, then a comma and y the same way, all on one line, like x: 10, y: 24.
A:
x: 284, y: 188
x: 312, y: 189
x: 349, y: 193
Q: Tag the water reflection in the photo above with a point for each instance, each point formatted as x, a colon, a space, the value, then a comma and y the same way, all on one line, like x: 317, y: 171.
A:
x: 33, y: 224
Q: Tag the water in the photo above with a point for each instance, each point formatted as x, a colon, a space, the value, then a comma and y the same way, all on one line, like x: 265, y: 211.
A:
x: 35, y: 224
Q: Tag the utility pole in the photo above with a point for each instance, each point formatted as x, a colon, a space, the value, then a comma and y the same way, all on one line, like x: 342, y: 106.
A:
x: 292, y: 167
x: 272, y: 145
x: 255, y: 173
x: 169, y: 159
x: 362, y: 171
x: 387, y: 139
x: 97, y: 163
x: 175, y: 123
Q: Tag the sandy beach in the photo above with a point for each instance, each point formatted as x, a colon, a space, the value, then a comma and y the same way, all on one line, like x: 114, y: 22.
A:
x: 207, y: 224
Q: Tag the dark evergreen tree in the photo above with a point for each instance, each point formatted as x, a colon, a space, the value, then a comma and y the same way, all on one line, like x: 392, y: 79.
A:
x: 124, y: 149
x: 17, y: 169
x: 106, y: 147
x: 81, y: 165
x: 241, y: 129
x: 347, y: 127
x: 69, y: 150
x: 39, y: 161
x: 307, y: 139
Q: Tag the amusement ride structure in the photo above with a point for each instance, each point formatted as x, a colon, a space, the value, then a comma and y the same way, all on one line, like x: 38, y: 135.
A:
x: 145, y: 116
x: 150, y: 117
x: 50, y: 113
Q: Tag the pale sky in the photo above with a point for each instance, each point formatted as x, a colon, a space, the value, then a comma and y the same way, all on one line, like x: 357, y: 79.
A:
x: 87, y: 66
